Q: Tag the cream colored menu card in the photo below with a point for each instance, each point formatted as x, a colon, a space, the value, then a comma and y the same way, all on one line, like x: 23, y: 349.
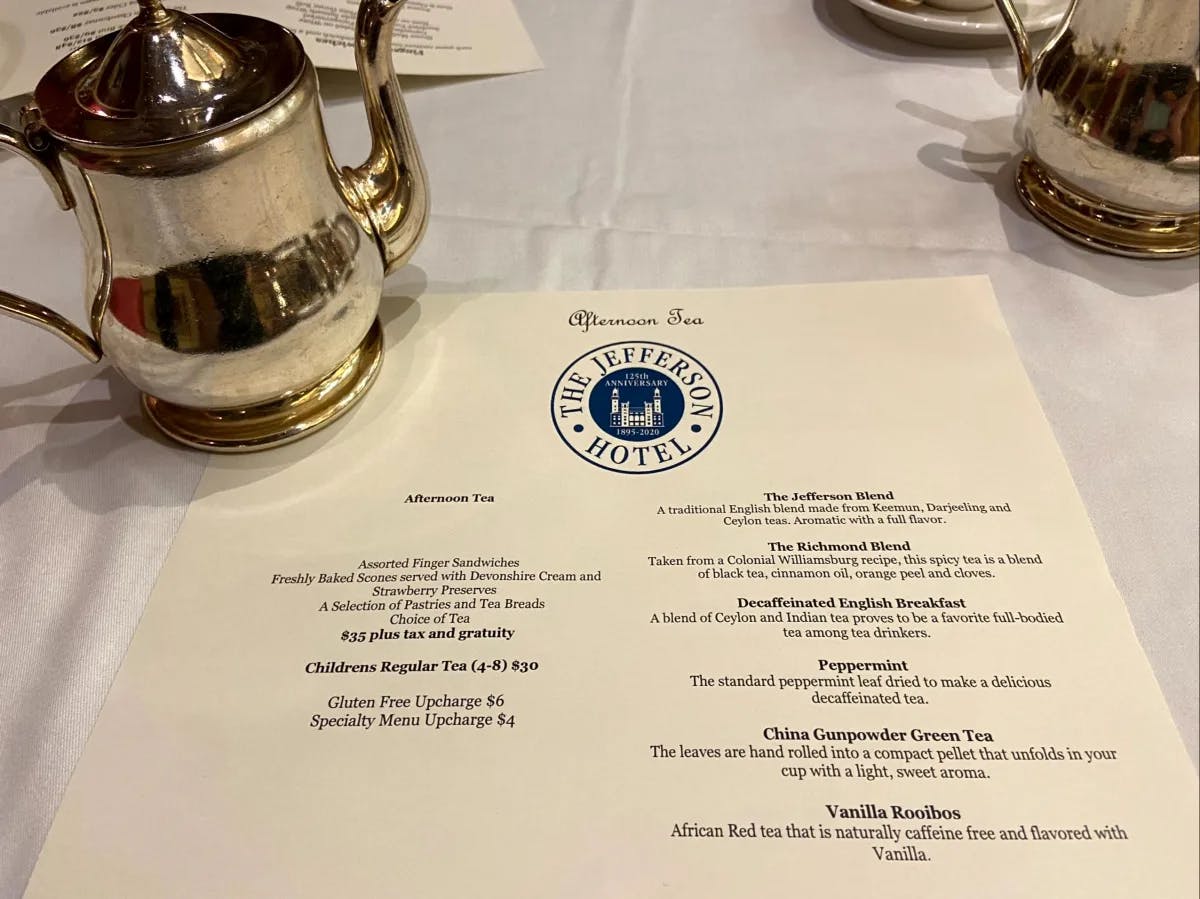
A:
x: 728, y: 594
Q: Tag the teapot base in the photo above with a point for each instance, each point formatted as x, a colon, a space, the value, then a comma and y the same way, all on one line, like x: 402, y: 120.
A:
x: 275, y: 422
x: 1102, y: 225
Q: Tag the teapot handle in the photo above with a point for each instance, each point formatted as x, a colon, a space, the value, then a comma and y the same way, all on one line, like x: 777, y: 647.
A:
x: 1019, y: 38
x: 390, y: 189
x: 35, y: 148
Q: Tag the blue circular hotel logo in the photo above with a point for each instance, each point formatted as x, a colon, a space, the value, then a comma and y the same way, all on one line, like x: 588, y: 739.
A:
x: 636, y: 407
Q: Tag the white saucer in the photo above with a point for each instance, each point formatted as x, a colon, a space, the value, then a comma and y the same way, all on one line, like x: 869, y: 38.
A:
x: 944, y: 28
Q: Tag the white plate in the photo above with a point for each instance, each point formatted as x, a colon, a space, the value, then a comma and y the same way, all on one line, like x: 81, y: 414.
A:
x: 944, y: 28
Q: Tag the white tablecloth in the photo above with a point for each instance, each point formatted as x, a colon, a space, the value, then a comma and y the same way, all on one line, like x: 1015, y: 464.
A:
x: 667, y: 144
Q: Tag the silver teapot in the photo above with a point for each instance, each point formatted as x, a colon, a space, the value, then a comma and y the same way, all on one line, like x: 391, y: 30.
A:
x: 235, y: 269
x: 1110, y: 119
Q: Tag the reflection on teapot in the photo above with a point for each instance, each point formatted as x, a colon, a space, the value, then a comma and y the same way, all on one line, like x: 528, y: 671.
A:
x: 229, y: 302
x: 1110, y: 119
x: 236, y: 271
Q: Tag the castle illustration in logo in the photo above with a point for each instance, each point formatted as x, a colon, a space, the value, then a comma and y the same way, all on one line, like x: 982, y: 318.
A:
x: 624, y: 416
x: 636, y: 403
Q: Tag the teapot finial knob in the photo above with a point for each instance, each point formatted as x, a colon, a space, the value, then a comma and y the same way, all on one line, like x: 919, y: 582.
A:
x: 153, y: 9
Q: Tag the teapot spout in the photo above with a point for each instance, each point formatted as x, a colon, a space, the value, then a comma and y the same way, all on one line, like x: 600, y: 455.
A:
x: 390, y: 189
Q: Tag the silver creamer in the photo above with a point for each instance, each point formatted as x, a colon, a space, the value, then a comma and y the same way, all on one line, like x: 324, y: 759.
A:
x: 1110, y: 119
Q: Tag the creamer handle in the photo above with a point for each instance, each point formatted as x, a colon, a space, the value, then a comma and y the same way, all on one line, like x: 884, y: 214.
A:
x: 41, y: 153
x: 1019, y: 38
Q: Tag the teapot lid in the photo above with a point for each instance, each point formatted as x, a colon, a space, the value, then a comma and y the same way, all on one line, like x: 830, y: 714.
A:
x: 168, y: 75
